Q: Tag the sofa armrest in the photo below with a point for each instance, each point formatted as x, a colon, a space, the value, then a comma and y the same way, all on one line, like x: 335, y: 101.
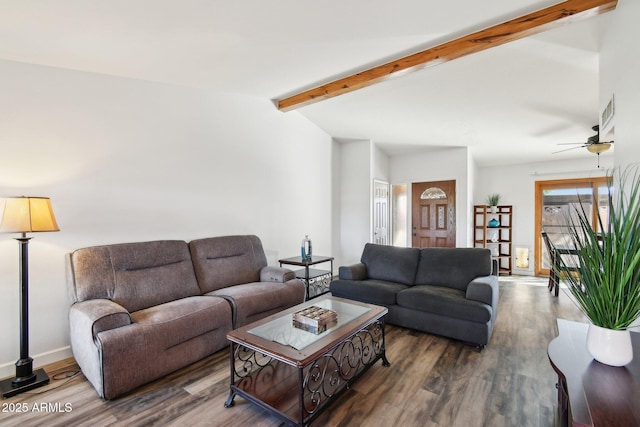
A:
x: 353, y: 272
x: 276, y: 274
x: 90, y: 317
x: 484, y: 289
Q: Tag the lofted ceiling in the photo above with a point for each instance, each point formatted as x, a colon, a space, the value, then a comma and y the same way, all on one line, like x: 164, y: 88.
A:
x: 509, y: 104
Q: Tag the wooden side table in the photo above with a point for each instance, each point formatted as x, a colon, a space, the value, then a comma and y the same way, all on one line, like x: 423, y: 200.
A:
x: 589, y: 392
x: 316, y: 281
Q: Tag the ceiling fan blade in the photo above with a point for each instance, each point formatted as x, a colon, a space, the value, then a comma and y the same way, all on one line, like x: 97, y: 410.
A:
x: 592, y: 143
x: 567, y: 149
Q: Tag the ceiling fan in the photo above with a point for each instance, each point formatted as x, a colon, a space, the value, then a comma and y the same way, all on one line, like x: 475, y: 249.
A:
x: 593, y: 144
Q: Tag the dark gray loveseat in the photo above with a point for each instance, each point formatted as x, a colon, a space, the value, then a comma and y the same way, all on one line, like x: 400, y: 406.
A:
x: 444, y: 291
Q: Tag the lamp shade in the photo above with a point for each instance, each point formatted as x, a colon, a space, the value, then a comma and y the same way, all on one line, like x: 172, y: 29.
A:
x: 26, y: 215
x: 598, y: 148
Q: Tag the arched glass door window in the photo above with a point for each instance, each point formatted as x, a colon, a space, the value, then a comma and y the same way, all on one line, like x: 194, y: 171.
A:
x: 433, y: 193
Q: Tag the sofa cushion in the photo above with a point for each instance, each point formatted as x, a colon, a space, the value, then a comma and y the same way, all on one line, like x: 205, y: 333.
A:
x: 390, y: 263
x: 452, y: 267
x: 175, y: 322
x: 228, y: 260
x: 370, y: 291
x: 134, y: 275
x: 445, y: 302
x: 254, y: 301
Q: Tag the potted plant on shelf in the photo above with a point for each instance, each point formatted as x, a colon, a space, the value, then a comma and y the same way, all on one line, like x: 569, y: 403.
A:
x: 607, y: 287
x: 492, y: 201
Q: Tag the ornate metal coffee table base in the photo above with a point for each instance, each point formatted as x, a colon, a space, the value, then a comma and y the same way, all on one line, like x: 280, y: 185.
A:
x: 297, y: 394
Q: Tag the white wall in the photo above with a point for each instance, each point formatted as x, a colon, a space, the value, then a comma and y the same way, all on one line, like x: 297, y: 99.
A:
x: 126, y: 160
x: 619, y: 74
x: 516, y: 185
x: 380, y: 164
x: 472, y: 179
x: 355, y: 200
x: 437, y: 165
x: 358, y: 163
x: 336, y: 208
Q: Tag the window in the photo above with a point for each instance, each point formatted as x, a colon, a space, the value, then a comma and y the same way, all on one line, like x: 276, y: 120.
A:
x: 555, y: 200
x: 433, y: 193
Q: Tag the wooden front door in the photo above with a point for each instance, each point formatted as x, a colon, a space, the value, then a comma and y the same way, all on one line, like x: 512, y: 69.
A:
x: 433, y: 219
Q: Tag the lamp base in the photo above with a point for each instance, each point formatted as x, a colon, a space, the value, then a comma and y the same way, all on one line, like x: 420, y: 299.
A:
x: 9, y: 388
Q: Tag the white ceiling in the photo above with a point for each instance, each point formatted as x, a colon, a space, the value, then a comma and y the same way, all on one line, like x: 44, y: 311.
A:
x: 510, y: 104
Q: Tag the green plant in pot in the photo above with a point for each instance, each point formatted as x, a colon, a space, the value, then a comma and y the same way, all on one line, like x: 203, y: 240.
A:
x: 607, y: 287
x: 493, y: 200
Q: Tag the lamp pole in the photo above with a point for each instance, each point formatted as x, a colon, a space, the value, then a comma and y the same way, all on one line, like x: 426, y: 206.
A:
x: 25, y: 215
x: 25, y: 379
x: 24, y: 366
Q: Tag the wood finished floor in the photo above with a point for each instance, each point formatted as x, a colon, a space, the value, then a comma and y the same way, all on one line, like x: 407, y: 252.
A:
x: 432, y: 381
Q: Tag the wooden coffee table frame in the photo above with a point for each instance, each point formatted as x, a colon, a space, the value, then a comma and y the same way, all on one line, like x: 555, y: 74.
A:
x: 296, y: 385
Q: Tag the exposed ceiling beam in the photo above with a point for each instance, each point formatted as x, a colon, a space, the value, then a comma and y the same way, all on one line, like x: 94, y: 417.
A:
x: 523, y: 26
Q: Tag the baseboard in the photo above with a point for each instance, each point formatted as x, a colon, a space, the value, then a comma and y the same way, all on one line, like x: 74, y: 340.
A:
x: 39, y: 360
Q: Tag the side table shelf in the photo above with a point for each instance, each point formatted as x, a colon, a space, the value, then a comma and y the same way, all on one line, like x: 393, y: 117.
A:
x: 315, y: 280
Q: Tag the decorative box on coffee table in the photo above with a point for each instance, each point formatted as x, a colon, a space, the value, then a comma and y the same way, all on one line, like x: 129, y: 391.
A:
x: 315, y: 319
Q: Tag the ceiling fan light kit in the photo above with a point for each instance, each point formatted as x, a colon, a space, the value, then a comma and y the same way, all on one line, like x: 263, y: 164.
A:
x: 593, y: 144
x: 598, y: 148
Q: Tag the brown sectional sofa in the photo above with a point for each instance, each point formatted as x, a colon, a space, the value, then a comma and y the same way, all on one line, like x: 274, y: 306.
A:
x: 142, y: 310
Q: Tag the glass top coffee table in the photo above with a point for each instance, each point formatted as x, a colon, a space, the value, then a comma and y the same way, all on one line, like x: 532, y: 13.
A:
x: 293, y: 373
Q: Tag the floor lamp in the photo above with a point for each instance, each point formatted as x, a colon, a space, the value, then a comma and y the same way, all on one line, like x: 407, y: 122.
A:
x: 25, y: 215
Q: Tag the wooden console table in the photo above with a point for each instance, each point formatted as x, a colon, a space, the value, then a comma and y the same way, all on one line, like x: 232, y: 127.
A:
x: 590, y: 393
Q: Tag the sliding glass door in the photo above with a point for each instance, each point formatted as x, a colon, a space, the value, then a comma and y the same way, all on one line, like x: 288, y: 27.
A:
x: 556, y: 202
